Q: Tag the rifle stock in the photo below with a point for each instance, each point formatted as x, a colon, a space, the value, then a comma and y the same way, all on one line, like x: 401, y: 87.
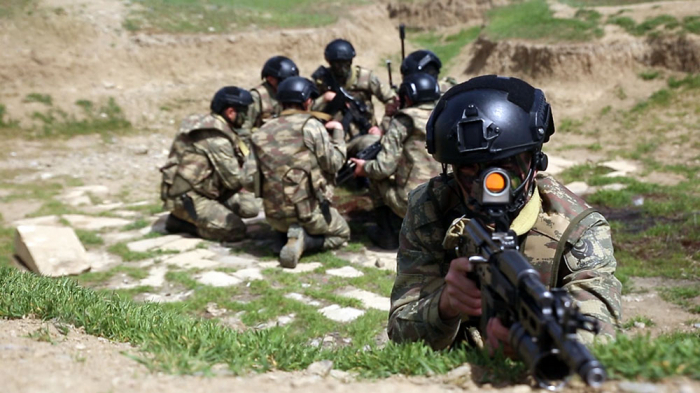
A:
x: 347, y: 171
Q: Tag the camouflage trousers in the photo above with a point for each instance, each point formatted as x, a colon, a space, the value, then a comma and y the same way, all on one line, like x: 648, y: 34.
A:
x: 335, y: 233
x: 215, y: 220
x: 360, y: 143
x: 386, y: 192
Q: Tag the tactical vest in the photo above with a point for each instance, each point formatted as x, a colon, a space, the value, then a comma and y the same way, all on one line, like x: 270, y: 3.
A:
x: 560, y: 218
x: 189, y: 167
x: 359, y: 87
x: 416, y: 166
x: 269, y: 106
x: 290, y: 171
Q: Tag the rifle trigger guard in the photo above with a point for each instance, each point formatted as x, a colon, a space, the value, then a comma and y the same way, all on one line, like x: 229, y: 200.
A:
x: 477, y: 259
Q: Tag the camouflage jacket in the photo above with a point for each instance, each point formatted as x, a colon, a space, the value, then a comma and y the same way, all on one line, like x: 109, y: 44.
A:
x: 264, y: 106
x: 362, y: 84
x: 569, y: 244
x: 206, y: 157
x: 296, y: 163
x: 403, y: 153
x: 446, y: 83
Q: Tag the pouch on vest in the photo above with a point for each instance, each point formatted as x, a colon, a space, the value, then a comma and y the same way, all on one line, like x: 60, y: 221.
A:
x: 297, y: 191
x: 192, y: 170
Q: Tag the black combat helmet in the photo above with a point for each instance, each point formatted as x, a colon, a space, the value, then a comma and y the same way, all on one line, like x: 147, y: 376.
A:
x: 296, y: 90
x: 339, y: 50
x: 279, y: 67
x: 419, y: 87
x: 421, y: 61
x: 489, y: 118
x: 230, y: 96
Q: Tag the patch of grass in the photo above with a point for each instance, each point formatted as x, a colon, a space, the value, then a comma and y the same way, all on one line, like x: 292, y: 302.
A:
x: 89, y: 238
x: 40, y: 98
x: 583, y: 172
x: 106, y: 119
x: 643, y: 357
x: 121, y: 250
x: 534, y: 20
x: 648, y: 322
x: 649, y: 75
x: 692, y: 24
x: 446, y: 47
x: 42, y: 335
x: 93, y: 278
x: 683, y: 296
x: 10, y: 8
x: 138, y: 224
x: 150, y: 208
x: 691, y: 81
x: 53, y: 207
x: 220, y: 16
x: 648, y: 26
x: 568, y: 125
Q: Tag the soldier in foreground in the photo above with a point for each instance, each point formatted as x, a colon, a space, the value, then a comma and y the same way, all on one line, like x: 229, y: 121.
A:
x: 491, y: 122
x: 296, y: 162
x: 265, y: 105
x: 361, y: 83
x: 403, y: 163
x: 202, y: 177
x: 428, y: 62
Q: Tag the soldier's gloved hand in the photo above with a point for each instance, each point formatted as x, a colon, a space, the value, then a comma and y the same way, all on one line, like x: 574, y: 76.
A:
x: 374, y: 130
x: 328, y: 96
x: 460, y: 295
x: 497, y: 336
x: 359, y: 167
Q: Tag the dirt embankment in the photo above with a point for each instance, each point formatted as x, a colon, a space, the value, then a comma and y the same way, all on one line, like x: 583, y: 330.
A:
x: 441, y: 13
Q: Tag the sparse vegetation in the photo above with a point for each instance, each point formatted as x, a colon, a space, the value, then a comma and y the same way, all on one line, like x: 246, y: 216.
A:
x: 639, y: 319
x: 106, y: 119
x: 534, y: 20
x: 446, y: 47
x: 686, y: 297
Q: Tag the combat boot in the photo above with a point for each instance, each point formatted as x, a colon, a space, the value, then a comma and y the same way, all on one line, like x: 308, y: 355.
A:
x: 177, y: 225
x: 384, y: 235
x: 298, y: 241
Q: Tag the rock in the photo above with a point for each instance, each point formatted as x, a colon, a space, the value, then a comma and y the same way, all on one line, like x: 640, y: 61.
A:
x: 696, y: 325
x: 236, y: 261
x: 285, y: 319
x: 345, y: 271
x: 156, y: 277
x: 637, y: 387
x: 557, y: 165
x: 218, y: 279
x: 342, y: 376
x: 368, y: 299
x: 304, y: 299
x: 460, y: 375
x: 214, y: 310
x: 321, y: 368
x: 621, y: 166
x: 95, y: 223
x: 180, y: 245
x: 102, y: 260
x: 341, y: 314
x: 50, y: 251
x: 614, y: 187
x: 167, y: 298
x: 616, y: 174
x: 640, y: 325
x: 51, y: 221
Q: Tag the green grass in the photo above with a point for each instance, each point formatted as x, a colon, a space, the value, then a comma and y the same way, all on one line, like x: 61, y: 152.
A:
x: 534, y: 20
x: 40, y: 98
x: 176, y: 343
x: 649, y: 75
x: 655, y: 25
x: 686, y: 297
x: 648, y: 322
x: 121, y: 250
x: 222, y: 16
x: 89, y: 238
x: 446, y: 47
x: 10, y: 8
x: 106, y: 119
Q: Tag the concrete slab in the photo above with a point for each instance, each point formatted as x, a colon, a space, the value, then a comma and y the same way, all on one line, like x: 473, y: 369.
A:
x: 78, y: 196
x: 118, y: 237
x: 167, y: 298
x: 557, y: 165
x: 269, y: 265
x: 94, y: 223
x: 622, y: 166
x: 50, y: 251
x: 345, y: 271
x: 368, y: 299
x: 52, y: 221
x: 156, y: 277
x: 148, y: 244
x: 125, y: 213
x: 304, y: 299
x: 579, y: 188
x: 196, y: 259
x: 241, y: 262
x: 218, y: 279
x: 341, y: 314
x: 101, y: 261
x: 182, y: 244
x: 250, y: 274
x: 104, y: 207
x: 303, y: 268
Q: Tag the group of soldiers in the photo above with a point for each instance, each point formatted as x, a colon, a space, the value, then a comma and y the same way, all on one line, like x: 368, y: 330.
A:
x: 285, y: 140
x: 279, y: 142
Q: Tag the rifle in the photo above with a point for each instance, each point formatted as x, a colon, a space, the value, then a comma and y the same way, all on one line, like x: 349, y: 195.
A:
x: 388, y: 70
x: 346, y: 172
x: 402, y: 35
x: 543, y: 323
x: 353, y: 110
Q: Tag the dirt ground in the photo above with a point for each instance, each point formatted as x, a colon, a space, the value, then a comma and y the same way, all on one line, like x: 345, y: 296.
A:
x: 77, y: 49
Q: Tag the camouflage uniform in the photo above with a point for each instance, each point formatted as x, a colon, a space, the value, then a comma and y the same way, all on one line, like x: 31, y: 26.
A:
x: 362, y: 84
x: 569, y: 244
x: 202, y: 178
x: 264, y: 106
x: 296, y: 162
x: 446, y: 83
x: 403, y: 163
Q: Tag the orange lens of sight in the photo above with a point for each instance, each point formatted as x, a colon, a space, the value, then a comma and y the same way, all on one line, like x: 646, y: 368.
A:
x: 495, y: 182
